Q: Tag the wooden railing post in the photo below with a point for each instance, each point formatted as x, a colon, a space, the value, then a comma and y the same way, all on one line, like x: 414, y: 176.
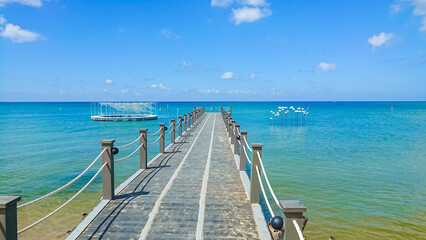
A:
x: 172, y: 135
x: 143, y: 151
x: 243, y: 156
x: 185, y: 120
x: 254, y: 179
x: 162, y: 137
x: 108, y: 170
x: 293, y: 210
x: 236, y: 144
x: 180, y: 126
x: 230, y: 110
x: 8, y: 217
x: 232, y: 135
x: 229, y: 124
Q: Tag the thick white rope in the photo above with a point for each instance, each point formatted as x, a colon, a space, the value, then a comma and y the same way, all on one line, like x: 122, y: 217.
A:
x: 130, y: 143
x: 264, y: 194
x: 298, y: 230
x: 121, y: 159
x: 59, y: 208
x: 248, y: 147
x: 267, y: 181
x: 155, y: 140
x: 66, y: 185
x: 247, y: 157
x: 169, y: 132
x: 235, y: 131
x: 152, y: 134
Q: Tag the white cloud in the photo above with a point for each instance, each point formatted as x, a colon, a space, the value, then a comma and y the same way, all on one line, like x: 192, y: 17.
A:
x: 18, y: 35
x: 169, y: 34
x: 227, y: 75
x: 419, y: 9
x: 2, y: 20
x: 221, y: 3
x: 160, y: 86
x: 380, y: 39
x: 327, y: 67
x: 274, y: 91
x: 423, y: 26
x: 395, y: 8
x: 108, y: 81
x: 124, y: 91
x: 186, y: 64
x: 253, y: 76
x: 238, y: 91
x: 254, y: 2
x: 249, y: 14
x: 32, y: 3
x: 208, y: 91
x: 104, y: 90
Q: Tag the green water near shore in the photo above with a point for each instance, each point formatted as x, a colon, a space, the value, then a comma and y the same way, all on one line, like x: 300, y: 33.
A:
x: 358, y: 167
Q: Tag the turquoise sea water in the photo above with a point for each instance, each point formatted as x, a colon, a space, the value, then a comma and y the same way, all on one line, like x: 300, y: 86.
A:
x: 359, y: 167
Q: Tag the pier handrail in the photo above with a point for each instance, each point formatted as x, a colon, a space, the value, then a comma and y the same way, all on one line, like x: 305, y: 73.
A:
x: 267, y: 181
x: 248, y: 147
x: 247, y: 157
x: 121, y: 159
x: 126, y: 145
x: 299, y: 231
x: 152, y: 134
x: 64, y: 186
x: 63, y: 205
x: 264, y: 193
x: 155, y: 140
x: 169, y: 133
x: 107, y: 154
x: 292, y: 209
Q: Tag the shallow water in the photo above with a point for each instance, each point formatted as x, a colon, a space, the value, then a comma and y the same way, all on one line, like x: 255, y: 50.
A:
x: 359, y: 167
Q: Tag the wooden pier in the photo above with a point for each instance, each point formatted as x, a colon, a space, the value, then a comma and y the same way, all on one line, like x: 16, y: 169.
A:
x: 195, y: 188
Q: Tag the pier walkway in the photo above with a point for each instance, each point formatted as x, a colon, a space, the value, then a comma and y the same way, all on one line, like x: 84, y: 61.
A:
x: 195, y: 188
x: 192, y: 190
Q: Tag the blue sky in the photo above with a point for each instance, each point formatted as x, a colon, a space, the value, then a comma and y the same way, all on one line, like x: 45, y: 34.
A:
x: 212, y: 50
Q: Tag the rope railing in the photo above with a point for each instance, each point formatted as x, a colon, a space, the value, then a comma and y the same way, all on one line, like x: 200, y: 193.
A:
x: 131, y: 142
x: 121, y: 159
x: 66, y: 185
x: 247, y: 157
x: 169, y: 133
x: 155, y: 140
x: 267, y: 182
x: 152, y: 134
x: 63, y: 205
x: 264, y: 193
x: 298, y: 230
x: 248, y: 147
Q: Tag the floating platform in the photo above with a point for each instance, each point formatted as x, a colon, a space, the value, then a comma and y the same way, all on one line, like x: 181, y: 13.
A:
x: 123, y: 111
x: 126, y: 117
